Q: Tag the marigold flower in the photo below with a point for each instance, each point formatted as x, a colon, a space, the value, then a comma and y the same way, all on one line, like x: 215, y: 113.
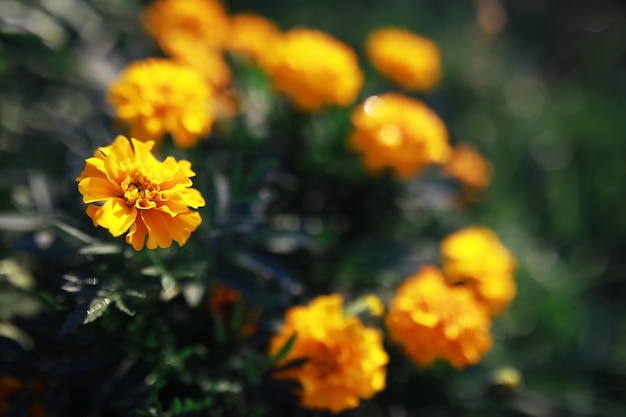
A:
x: 140, y: 195
x: 250, y: 35
x: 469, y: 167
x: 431, y: 319
x: 404, y: 57
x: 314, y: 69
x: 397, y: 132
x: 184, y: 27
x: 475, y: 256
x: 158, y: 96
x: 345, y: 360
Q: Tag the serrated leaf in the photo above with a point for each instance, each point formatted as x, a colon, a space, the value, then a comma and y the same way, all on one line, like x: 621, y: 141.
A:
x: 119, y: 303
x: 86, y: 313
x: 97, y: 307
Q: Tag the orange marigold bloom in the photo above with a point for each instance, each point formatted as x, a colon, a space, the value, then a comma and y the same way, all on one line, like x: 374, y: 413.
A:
x: 183, y: 27
x: 404, y: 57
x: 475, y: 256
x: 140, y: 195
x: 345, y: 360
x: 158, y: 96
x: 250, y: 35
x: 397, y: 132
x: 431, y: 319
x: 314, y: 69
x: 469, y: 167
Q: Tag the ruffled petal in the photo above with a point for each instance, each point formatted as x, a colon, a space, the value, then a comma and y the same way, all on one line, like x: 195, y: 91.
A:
x: 97, y: 189
x: 137, y: 234
x: 116, y: 216
x: 158, y: 230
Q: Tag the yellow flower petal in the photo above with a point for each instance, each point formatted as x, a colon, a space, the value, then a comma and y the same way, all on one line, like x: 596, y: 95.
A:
x: 116, y: 216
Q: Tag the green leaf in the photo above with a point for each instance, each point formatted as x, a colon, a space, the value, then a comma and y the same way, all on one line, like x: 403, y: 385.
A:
x: 86, y: 313
x: 282, y: 353
x: 251, y: 371
x: 100, y: 249
x: 189, y: 406
x: 219, y: 329
x: 236, y: 321
x: 121, y: 305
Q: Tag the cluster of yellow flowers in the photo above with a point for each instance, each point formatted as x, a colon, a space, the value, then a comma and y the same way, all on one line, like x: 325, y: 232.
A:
x: 435, y: 314
x: 448, y: 315
x: 432, y: 316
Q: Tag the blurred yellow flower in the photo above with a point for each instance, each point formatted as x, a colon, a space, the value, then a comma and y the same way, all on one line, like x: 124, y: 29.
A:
x: 345, y: 360
x: 158, y: 96
x: 397, y: 132
x: 184, y: 27
x: 211, y: 66
x: 476, y: 257
x: 313, y: 69
x: 431, y: 319
x: 250, y: 35
x: 404, y: 57
x: 469, y: 167
x: 136, y: 193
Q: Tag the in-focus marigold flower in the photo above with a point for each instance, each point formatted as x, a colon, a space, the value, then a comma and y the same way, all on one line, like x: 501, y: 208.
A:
x: 469, y: 167
x: 138, y: 194
x: 397, y: 132
x: 314, y: 69
x: 404, y: 57
x: 159, y: 96
x: 345, y: 360
x: 431, y: 319
x: 183, y: 27
x: 250, y: 35
x: 476, y: 257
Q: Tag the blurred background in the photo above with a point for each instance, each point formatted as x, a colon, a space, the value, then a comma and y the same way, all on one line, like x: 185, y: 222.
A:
x: 539, y: 87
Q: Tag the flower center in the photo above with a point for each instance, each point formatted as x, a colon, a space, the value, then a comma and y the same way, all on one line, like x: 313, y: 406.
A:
x: 138, y: 191
x: 325, y: 361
